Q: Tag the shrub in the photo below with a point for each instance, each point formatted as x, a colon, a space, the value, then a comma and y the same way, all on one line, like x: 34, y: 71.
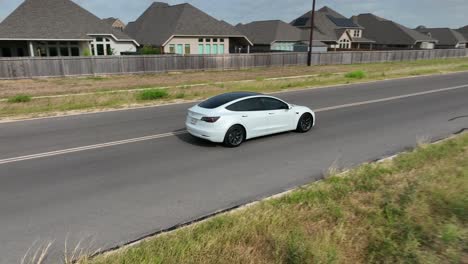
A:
x: 21, y: 98
x: 356, y: 74
x: 149, y: 50
x: 87, y: 53
x: 152, y: 94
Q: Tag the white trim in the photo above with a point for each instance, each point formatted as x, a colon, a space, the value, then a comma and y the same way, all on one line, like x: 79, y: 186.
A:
x: 208, y: 36
x: 114, y: 37
x: 29, y: 39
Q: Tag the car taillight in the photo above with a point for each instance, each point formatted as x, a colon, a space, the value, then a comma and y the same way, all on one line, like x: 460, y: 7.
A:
x: 210, y: 119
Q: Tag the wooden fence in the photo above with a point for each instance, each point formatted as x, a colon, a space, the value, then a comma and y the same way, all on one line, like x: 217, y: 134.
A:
x: 25, y: 67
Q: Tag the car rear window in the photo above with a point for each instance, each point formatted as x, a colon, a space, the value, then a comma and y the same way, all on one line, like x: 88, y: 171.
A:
x: 223, y: 99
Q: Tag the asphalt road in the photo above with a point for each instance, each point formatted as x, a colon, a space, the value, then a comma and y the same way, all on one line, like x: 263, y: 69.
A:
x: 107, y: 195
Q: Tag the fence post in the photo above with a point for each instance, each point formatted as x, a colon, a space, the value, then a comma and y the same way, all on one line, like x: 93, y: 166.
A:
x: 27, y: 67
x: 93, y: 61
x: 62, y: 67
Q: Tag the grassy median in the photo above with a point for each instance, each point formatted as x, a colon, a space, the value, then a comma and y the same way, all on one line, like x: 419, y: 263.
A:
x: 25, y: 98
x: 413, y: 209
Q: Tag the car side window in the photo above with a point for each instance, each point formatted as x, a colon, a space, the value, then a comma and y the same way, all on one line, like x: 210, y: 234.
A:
x: 247, y: 105
x: 274, y: 104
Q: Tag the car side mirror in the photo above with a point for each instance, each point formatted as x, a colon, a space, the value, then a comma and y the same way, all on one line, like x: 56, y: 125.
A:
x: 290, y: 107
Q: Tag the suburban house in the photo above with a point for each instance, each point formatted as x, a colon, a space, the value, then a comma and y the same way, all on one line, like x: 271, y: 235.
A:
x: 464, y: 32
x: 276, y: 35
x: 391, y: 35
x: 48, y: 28
x: 447, y: 37
x: 115, y: 23
x: 184, y: 29
x: 334, y: 29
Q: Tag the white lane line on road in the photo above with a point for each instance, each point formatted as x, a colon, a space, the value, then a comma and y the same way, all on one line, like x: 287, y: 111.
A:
x: 90, y: 147
x: 390, y: 98
x: 171, y: 134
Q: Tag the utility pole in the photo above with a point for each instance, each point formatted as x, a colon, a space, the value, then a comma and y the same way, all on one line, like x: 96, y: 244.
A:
x: 312, y: 24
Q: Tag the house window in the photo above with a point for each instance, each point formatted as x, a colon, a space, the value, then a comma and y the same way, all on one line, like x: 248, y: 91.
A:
x: 20, y: 52
x: 6, y: 52
x: 201, y: 49
x: 215, y: 48
x: 99, y: 39
x: 187, y: 48
x: 92, y: 50
x: 100, y: 49
x: 357, y: 33
x: 53, y: 52
x: 180, y: 49
x: 215, y: 40
x: 109, y: 50
x: 207, y: 40
x: 221, y: 49
x: 345, y: 44
x: 75, y: 51
x: 221, y: 40
x: 200, y: 40
x: 172, y: 48
x: 64, y: 51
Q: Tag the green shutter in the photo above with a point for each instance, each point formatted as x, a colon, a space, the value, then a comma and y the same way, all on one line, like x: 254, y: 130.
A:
x: 215, y: 48
x: 208, y: 49
x: 221, y: 49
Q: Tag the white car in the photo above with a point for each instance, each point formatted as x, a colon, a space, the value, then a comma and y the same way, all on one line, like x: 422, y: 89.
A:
x: 232, y: 118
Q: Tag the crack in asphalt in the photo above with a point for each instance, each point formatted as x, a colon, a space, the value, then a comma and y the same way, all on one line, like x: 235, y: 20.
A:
x: 458, y: 117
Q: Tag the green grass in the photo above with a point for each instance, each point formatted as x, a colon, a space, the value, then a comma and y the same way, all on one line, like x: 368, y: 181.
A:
x: 22, y: 98
x: 356, y: 74
x: 152, y: 94
x: 413, y: 209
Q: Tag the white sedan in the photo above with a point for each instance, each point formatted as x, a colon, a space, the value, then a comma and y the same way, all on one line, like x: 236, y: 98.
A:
x: 232, y: 118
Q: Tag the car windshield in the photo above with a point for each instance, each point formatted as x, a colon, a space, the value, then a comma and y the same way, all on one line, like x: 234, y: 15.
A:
x: 223, y: 99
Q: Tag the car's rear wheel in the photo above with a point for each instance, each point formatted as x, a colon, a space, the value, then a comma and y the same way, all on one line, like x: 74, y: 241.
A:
x: 305, y: 123
x: 234, y: 136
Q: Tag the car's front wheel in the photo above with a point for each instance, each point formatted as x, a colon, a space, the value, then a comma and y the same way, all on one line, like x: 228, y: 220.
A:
x: 234, y: 136
x: 305, y: 123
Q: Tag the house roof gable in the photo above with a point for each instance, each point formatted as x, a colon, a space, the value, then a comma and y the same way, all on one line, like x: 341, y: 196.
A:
x: 54, y: 20
x: 327, y: 21
x: 160, y: 22
x: 445, y: 36
x: 387, y: 32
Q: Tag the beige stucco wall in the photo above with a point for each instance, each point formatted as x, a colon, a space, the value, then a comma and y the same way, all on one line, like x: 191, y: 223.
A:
x: 193, y: 42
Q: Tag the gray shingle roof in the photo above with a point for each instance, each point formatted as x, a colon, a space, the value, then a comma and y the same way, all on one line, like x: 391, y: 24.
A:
x: 327, y: 22
x: 54, y: 20
x: 387, y: 32
x: 445, y: 36
x: 463, y: 31
x: 161, y: 21
x: 270, y: 31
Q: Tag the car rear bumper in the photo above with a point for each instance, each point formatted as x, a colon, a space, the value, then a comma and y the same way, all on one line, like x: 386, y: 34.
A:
x: 207, y: 134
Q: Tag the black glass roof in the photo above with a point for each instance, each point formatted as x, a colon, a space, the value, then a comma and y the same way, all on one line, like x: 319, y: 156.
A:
x: 223, y: 99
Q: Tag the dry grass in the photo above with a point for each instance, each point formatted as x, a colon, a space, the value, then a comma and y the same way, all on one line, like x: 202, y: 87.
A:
x: 54, y: 86
x: 324, y: 75
x: 410, y: 210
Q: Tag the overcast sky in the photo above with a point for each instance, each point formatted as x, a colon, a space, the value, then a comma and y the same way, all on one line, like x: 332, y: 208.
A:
x: 432, y: 13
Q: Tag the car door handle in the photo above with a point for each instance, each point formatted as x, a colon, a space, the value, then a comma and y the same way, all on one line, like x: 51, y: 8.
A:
x: 245, y: 116
x: 271, y: 113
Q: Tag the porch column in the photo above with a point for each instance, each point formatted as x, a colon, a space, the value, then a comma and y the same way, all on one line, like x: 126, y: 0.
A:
x: 359, y: 45
x: 31, y: 49
x: 248, y: 49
